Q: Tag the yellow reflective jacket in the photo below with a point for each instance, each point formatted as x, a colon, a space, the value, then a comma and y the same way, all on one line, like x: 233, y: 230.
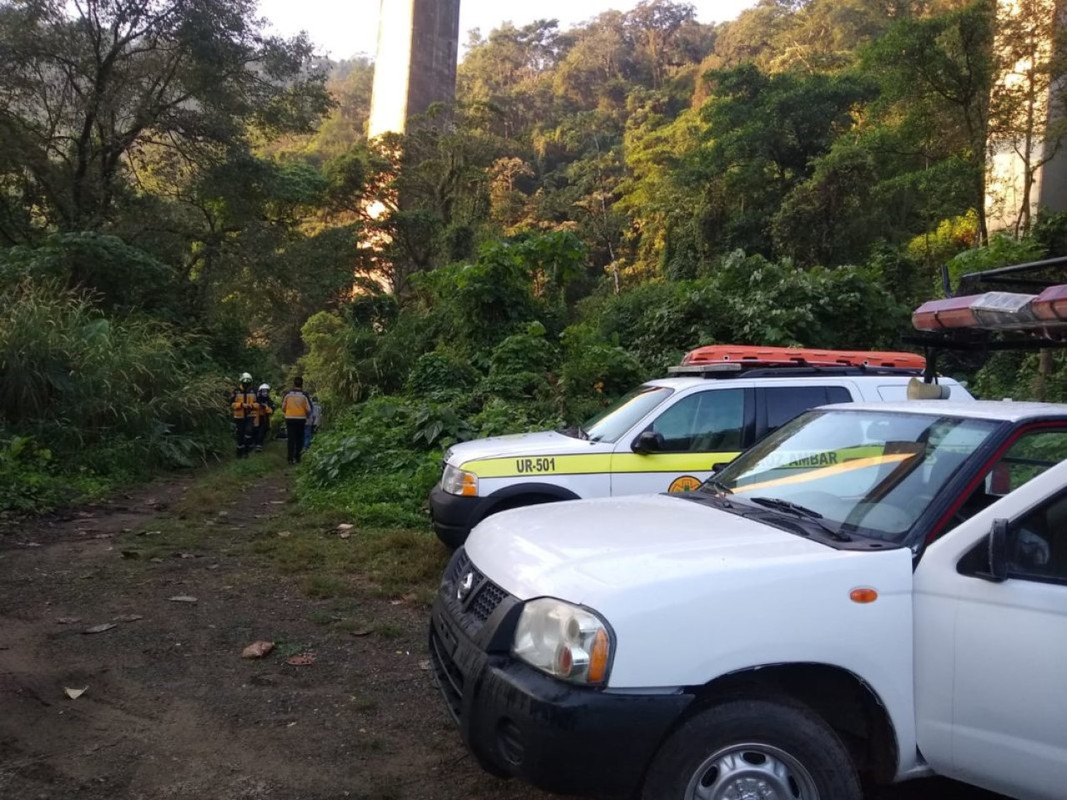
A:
x: 296, y: 404
x: 243, y: 403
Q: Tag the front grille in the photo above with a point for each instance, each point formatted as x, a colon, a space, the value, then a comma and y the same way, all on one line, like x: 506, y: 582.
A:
x: 485, y: 602
x: 474, y: 610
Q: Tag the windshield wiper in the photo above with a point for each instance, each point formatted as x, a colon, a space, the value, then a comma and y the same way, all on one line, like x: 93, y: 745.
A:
x: 718, y: 486
x: 803, y: 512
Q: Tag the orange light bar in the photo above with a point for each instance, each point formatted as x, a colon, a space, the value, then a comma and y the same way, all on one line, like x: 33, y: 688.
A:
x: 1051, y: 304
x: 954, y: 312
x: 989, y: 311
x: 800, y: 356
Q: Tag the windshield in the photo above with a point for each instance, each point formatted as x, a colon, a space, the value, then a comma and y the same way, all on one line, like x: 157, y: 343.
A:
x: 860, y: 472
x: 613, y: 422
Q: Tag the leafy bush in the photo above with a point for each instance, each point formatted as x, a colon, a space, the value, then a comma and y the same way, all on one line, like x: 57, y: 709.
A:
x: 107, y: 398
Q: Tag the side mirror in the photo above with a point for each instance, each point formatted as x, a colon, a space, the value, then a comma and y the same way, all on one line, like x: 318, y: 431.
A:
x: 647, y: 442
x: 998, y: 551
x: 994, y: 568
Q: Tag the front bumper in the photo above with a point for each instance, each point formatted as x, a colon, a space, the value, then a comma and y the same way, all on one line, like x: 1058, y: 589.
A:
x: 454, y: 516
x: 519, y: 722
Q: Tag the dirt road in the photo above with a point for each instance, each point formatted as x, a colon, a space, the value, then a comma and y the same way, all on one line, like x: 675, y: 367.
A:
x: 187, y: 574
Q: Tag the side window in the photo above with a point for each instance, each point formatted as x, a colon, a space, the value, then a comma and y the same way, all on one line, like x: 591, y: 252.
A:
x: 1029, y: 456
x: 1037, y: 544
x: 704, y: 422
x: 786, y: 402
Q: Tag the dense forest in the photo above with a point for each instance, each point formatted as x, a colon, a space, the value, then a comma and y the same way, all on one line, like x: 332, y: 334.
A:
x: 184, y: 197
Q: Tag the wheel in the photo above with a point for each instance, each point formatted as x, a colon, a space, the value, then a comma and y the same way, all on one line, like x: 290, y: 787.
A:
x: 770, y: 750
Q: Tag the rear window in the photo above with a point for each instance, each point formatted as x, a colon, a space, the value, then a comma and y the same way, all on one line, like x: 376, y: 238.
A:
x: 786, y: 402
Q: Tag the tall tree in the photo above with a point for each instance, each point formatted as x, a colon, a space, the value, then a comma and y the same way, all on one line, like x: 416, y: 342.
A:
x: 938, y: 71
x: 87, y: 87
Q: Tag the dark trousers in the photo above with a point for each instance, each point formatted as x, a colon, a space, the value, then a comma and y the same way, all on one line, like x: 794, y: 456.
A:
x: 259, y: 434
x: 242, y: 433
x: 294, y: 431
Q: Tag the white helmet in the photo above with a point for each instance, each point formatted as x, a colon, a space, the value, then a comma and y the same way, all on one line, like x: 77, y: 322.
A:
x: 264, y: 387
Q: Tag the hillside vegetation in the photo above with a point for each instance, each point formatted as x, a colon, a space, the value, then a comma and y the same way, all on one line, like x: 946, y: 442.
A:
x: 183, y: 198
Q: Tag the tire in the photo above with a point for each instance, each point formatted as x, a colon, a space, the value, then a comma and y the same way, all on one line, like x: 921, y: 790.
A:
x: 772, y: 750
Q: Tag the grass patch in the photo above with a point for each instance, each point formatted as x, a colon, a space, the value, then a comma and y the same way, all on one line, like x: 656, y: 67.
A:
x: 218, y: 487
x: 322, y: 617
x: 324, y: 587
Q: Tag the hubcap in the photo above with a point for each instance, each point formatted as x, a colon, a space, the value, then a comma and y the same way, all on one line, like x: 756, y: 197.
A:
x: 751, y: 772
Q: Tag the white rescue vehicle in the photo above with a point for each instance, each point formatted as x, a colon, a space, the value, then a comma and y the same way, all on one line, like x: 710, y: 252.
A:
x: 667, y: 435
x: 872, y: 592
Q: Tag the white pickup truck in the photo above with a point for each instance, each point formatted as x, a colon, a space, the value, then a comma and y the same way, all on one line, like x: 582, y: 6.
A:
x: 873, y: 593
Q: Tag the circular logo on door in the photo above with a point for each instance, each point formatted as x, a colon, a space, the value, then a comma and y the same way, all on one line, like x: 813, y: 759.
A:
x: 686, y: 483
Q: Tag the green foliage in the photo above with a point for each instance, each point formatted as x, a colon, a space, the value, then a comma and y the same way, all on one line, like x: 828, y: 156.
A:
x: 439, y: 375
x: 107, y: 397
x: 1001, y: 251
x: 122, y: 276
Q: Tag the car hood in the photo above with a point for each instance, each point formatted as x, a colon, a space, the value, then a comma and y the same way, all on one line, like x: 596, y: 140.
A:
x: 542, y: 443
x: 584, y: 551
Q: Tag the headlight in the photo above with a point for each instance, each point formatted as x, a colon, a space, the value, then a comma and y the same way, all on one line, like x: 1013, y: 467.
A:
x: 456, y: 481
x: 566, y: 641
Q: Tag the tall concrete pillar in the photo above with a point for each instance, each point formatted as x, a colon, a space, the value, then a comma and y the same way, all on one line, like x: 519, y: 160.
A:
x: 1006, y: 194
x: 418, y: 46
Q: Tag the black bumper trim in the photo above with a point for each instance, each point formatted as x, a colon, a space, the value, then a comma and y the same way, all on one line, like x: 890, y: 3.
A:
x: 560, y: 738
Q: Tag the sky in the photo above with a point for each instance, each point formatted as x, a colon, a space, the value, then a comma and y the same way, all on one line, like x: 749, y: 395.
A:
x: 343, y: 28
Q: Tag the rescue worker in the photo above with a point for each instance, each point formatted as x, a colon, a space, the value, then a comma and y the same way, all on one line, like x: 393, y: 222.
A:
x: 265, y: 408
x: 313, y: 422
x: 243, y: 406
x: 296, y: 406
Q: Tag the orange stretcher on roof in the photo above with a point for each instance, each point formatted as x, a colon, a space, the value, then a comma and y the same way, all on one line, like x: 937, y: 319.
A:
x: 800, y: 357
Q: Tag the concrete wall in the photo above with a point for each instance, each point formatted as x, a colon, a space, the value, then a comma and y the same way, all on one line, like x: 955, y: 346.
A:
x: 418, y: 46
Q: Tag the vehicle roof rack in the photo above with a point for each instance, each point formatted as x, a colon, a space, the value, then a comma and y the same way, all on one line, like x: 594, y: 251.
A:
x: 794, y: 370
x: 726, y: 361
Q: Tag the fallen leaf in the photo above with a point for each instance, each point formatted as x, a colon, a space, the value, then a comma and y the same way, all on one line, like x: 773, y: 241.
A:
x: 186, y: 555
x: 69, y: 620
x: 128, y: 617
x: 224, y: 513
x: 182, y: 598
x: 100, y: 628
x: 277, y: 502
x: 344, y: 535
x: 345, y: 526
x: 257, y: 649
x: 363, y: 632
x: 151, y: 501
x: 285, y: 534
x: 424, y: 665
x: 305, y: 660
x: 409, y: 598
x: 74, y: 694
x: 156, y: 560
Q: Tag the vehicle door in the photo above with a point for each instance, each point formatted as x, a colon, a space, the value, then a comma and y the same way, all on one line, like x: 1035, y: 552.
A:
x: 991, y: 655
x: 677, y: 447
x: 776, y: 405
